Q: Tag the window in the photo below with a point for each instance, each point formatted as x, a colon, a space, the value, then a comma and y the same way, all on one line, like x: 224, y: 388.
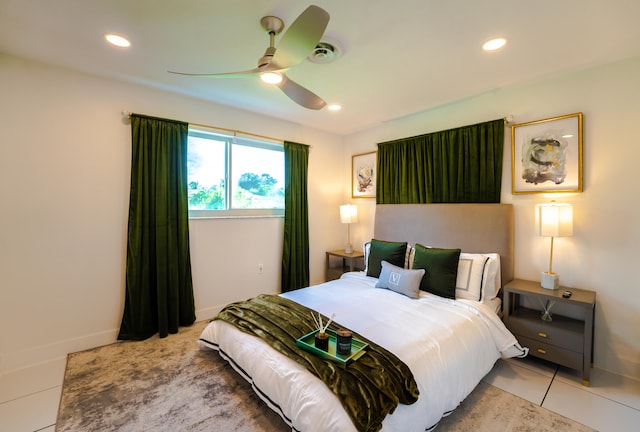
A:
x: 234, y: 176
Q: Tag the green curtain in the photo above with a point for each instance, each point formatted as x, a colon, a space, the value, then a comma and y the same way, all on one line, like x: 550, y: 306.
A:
x: 159, y: 290
x: 462, y: 165
x: 295, y: 248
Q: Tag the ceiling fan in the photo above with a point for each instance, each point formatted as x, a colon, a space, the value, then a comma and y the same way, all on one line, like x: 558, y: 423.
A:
x: 296, y: 43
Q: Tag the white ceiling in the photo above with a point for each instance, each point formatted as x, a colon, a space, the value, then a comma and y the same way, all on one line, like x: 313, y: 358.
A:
x: 398, y: 57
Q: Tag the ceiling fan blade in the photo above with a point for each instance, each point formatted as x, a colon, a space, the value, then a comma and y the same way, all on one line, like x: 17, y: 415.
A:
x: 301, y: 37
x: 241, y: 74
x: 301, y: 95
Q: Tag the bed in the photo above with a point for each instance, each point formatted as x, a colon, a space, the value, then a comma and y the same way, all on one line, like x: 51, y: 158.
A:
x: 449, y: 344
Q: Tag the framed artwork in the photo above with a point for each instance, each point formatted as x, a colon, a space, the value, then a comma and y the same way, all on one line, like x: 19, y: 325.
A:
x: 546, y: 155
x: 363, y: 175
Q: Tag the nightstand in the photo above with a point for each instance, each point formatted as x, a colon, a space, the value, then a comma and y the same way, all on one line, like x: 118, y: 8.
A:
x: 564, y: 340
x: 339, y: 262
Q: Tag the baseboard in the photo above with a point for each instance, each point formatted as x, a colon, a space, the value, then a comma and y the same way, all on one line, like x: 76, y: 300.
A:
x: 208, y: 313
x: 11, y: 362
x: 45, y: 353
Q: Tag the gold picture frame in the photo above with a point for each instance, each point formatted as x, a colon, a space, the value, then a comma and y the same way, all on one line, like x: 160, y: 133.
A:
x: 363, y: 175
x: 546, y: 155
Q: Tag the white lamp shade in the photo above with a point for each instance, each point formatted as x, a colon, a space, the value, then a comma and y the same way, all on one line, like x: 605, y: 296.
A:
x: 554, y: 220
x: 348, y: 213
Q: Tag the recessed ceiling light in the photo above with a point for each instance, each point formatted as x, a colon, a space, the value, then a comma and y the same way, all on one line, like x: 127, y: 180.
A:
x: 334, y: 107
x: 117, y: 40
x: 494, y: 44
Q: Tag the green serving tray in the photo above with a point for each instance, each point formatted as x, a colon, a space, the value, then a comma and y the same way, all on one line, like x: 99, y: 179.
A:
x: 307, y: 342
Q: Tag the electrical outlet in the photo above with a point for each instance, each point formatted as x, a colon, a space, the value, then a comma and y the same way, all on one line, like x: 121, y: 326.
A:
x: 260, y: 268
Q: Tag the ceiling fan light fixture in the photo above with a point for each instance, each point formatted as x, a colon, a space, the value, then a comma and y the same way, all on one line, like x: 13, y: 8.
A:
x: 117, y: 40
x: 271, y: 77
x: 334, y: 107
x: 494, y: 44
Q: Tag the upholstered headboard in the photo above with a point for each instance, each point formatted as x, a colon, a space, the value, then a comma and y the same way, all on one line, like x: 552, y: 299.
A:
x: 474, y: 228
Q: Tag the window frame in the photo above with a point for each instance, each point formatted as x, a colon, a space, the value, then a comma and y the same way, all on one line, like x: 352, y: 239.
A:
x: 230, y: 141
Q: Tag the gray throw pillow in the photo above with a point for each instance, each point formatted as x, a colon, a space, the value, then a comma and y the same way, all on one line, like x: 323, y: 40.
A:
x: 400, y: 280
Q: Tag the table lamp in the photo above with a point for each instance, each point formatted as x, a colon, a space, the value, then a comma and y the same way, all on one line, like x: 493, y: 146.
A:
x: 553, y: 220
x: 348, y: 215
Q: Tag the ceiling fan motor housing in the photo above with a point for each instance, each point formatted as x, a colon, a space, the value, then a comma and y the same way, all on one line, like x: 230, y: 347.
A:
x: 266, y: 58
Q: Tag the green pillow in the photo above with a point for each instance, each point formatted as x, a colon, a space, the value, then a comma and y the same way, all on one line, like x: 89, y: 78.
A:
x: 392, y: 252
x: 441, y: 267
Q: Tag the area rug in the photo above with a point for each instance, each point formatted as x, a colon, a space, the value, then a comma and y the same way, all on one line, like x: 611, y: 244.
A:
x: 170, y: 385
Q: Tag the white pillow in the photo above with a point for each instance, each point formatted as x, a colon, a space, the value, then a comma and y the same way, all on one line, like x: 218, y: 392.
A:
x: 366, y: 248
x: 478, y: 276
x: 412, y: 255
x: 492, y: 279
x: 400, y: 280
x: 470, y: 274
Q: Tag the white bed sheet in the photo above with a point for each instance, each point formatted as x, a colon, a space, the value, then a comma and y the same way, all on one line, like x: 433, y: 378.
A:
x: 449, y: 345
x: 495, y: 304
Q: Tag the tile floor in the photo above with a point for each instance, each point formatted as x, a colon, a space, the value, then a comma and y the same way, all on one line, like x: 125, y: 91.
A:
x: 610, y: 404
x: 29, y: 397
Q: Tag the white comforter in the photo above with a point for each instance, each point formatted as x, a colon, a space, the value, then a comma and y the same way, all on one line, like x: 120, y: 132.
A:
x: 449, y: 345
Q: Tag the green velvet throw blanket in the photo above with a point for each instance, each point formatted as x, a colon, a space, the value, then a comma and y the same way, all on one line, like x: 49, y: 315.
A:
x: 368, y: 388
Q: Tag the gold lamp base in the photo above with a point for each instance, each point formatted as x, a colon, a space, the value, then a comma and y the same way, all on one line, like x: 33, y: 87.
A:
x: 550, y: 280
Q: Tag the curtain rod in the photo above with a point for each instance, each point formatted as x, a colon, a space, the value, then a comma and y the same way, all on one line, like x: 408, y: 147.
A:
x: 128, y: 114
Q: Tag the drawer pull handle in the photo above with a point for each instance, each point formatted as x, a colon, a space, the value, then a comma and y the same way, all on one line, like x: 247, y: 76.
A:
x: 542, y: 351
x: 542, y: 334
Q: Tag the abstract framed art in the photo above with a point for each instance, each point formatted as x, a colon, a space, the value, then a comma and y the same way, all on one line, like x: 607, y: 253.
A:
x: 546, y: 155
x: 363, y: 175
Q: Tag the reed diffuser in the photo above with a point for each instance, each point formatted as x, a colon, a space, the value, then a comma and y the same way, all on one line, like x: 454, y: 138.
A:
x: 322, y: 337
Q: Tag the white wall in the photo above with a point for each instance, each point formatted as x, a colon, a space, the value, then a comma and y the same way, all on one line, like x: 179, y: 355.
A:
x: 64, y: 187
x: 603, y: 253
x: 64, y: 180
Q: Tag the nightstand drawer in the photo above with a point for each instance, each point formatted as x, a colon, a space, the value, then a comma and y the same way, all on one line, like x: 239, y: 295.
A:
x: 552, y: 353
x: 561, y: 332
